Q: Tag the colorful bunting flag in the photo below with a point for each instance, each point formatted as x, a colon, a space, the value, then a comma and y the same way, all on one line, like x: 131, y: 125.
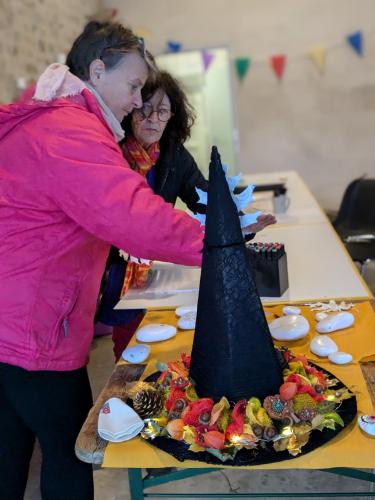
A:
x: 207, y: 58
x: 317, y: 54
x: 355, y: 40
x: 242, y: 66
x: 174, y: 46
x: 278, y: 64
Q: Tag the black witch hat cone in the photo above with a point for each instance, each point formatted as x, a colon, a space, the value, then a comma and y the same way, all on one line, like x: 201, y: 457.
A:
x: 233, y: 353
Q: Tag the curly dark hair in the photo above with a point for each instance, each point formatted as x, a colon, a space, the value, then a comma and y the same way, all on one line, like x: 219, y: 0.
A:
x: 178, y: 127
x: 107, y: 41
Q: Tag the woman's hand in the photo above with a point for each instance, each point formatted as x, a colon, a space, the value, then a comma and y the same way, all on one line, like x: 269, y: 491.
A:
x: 263, y: 221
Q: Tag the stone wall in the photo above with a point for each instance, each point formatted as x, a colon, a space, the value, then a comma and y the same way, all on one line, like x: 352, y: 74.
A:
x: 33, y: 33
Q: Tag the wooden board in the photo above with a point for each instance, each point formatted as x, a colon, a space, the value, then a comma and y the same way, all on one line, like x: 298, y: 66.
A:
x: 87, y: 448
x: 368, y: 370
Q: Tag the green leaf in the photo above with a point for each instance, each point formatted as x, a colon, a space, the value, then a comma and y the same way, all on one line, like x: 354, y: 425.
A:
x: 218, y: 409
x: 196, y: 448
x: 335, y: 417
x: 223, y: 421
x: 191, y: 393
x: 328, y: 423
x: 222, y: 455
x: 317, y: 421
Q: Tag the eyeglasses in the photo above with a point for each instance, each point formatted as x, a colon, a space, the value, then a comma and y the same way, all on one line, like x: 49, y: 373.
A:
x: 142, y: 47
x: 147, y: 111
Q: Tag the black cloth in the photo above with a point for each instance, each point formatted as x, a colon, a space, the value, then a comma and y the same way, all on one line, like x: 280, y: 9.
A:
x: 176, y: 176
x: 52, y: 407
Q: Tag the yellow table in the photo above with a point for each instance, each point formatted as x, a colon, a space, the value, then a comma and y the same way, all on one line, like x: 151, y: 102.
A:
x: 351, y: 449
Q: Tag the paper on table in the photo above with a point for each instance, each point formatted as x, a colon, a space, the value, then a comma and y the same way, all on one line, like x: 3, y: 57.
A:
x: 168, y: 279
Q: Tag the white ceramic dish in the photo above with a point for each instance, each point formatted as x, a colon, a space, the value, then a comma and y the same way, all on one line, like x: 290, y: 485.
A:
x: 367, y: 424
x: 155, y: 332
x: 340, y: 358
x: 322, y: 346
x: 334, y: 322
x: 287, y: 310
x: 187, y: 321
x: 182, y: 310
x: 321, y: 315
x: 291, y: 327
x: 136, y: 353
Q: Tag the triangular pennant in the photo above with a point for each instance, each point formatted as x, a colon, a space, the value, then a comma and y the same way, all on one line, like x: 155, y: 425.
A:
x: 207, y: 58
x: 317, y: 54
x: 355, y: 40
x: 174, y: 46
x: 278, y: 64
x: 242, y: 66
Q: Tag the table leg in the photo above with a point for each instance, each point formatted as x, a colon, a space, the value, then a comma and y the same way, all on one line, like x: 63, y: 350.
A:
x: 135, y: 484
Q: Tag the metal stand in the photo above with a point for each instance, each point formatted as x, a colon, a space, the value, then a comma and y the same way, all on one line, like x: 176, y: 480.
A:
x: 137, y: 485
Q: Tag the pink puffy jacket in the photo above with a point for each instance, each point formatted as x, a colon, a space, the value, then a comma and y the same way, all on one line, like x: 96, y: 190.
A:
x: 66, y: 194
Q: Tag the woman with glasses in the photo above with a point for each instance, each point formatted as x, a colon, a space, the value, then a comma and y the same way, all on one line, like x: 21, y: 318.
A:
x: 66, y: 195
x: 154, y: 147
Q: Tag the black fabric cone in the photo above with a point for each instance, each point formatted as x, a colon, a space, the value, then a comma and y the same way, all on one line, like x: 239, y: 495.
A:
x: 233, y: 353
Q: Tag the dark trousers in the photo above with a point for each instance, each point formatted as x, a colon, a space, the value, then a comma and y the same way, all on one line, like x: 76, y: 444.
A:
x: 49, y: 406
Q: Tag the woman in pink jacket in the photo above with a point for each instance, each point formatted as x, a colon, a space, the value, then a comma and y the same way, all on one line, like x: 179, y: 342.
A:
x: 66, y: 195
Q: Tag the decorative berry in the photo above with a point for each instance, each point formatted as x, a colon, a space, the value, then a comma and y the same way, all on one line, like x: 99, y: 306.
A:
x: 204, y: 418
x: 197, y: 408
x: 166, y: 379
x: 179, y: 383
x: 287, y: 421
x: 180, y: 404
x: 257, y: 430
x: 269, y: 433
x: 174, y: 396
x: 173, y: 415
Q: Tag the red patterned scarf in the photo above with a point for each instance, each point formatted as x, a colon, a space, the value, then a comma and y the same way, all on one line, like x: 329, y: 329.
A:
x: 140, y: 160
x: 138, y: 157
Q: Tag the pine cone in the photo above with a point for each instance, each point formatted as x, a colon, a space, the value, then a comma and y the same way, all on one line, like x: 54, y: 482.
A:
x: 148, y: 402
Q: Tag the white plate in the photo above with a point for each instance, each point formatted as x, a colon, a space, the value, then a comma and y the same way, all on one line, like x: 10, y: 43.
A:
x: 155, y: 332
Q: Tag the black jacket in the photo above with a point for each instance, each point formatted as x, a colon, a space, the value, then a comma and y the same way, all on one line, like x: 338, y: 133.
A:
x: 176, y: 176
